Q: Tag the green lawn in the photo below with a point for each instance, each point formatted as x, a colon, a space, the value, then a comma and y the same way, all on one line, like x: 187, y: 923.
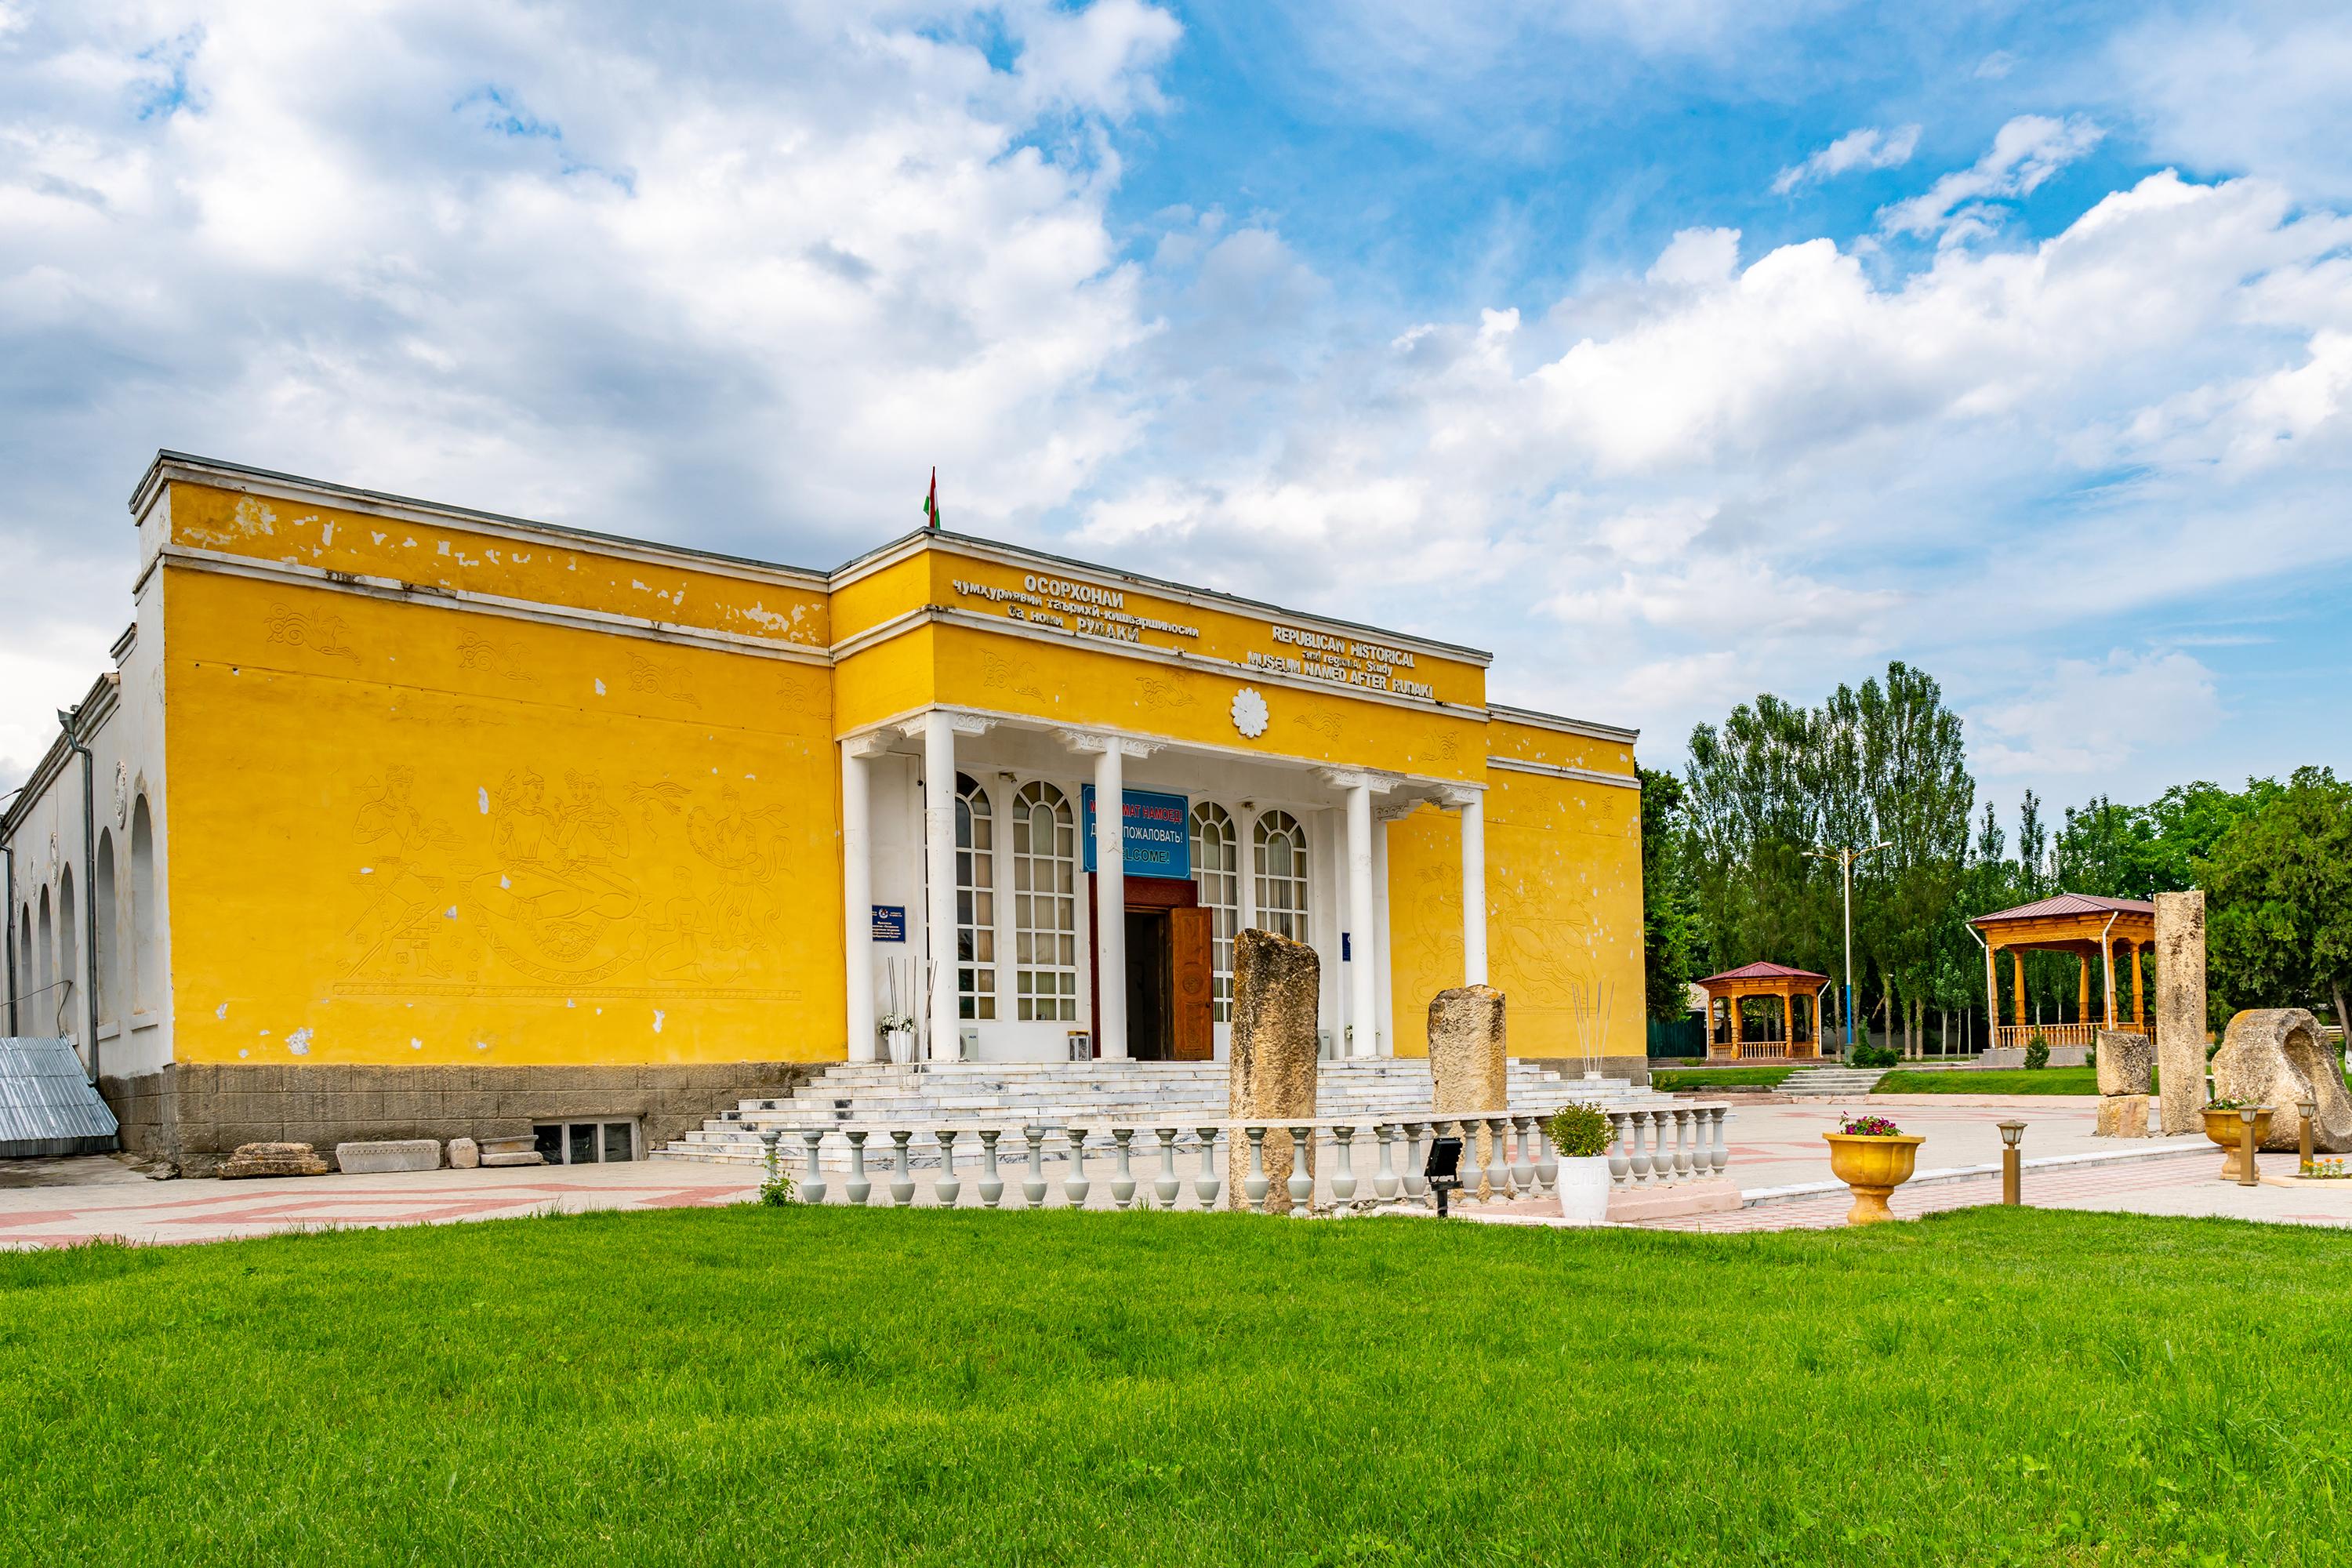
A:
x: 1717, y: 1077
x: 757, y: 1387
x: 1992, y: 1080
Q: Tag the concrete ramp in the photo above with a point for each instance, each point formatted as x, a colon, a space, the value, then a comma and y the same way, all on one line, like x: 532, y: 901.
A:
x: 48, y: 1104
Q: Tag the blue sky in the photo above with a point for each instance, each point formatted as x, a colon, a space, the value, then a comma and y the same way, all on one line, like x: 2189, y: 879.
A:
x: 1676, y: 351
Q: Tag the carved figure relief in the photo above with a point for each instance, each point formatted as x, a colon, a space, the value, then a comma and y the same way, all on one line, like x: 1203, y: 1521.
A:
x: 476, y: 651
x: 1162, y: 693
x: 320, y: 634
x: 646, y: 676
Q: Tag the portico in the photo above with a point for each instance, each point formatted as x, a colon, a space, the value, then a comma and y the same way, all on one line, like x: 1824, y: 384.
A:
x: 1050, y: 894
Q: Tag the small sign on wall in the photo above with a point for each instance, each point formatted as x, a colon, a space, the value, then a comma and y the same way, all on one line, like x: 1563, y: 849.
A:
x: 889, y: 923
x: 1156, y: 833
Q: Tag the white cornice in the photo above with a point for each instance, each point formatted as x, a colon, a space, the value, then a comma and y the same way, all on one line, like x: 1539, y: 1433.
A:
x: 1590, y: 728
x: 1554, y: 771
x: 190, y: 558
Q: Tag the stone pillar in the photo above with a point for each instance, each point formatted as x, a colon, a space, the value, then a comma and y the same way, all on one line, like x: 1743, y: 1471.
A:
x: 1469, y: 1064
x: 2180, y: 1008
x: 1271, y: 1065
x: 940, y: 877
x: 857, y: 901
x: 2126, y: 1064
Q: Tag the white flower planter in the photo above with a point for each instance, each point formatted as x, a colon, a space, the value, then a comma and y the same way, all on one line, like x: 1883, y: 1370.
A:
x: 900, y: 1046
x: 1584, y: 1190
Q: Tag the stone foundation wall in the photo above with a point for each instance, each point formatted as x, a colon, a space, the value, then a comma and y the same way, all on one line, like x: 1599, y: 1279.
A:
x: 196, y: 1114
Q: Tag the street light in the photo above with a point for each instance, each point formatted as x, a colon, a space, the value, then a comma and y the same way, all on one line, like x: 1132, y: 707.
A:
x: 2011, y: 1164
x: 1845, y: 857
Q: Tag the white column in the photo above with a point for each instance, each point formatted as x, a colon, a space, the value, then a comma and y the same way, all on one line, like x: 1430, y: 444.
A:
x: 1111, y: 900
x: 1364, y: 966
x: 939, y: 876
x: 857, y: 900
x: 1245, y: 822
x: 1473, y: 887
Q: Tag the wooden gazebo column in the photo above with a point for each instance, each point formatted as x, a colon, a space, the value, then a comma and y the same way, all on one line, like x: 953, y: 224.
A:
x: 2139, y: 997
x: 2016, y: 980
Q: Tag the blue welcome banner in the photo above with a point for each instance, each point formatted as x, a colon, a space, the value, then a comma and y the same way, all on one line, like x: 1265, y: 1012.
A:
x: 1157, y: 833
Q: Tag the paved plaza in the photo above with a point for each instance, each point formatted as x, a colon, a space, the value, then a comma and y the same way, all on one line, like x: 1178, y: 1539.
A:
x: 1778, y: 1163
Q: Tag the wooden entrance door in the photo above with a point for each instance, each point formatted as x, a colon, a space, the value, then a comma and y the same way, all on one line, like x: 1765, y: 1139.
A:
x: 1195, y: 998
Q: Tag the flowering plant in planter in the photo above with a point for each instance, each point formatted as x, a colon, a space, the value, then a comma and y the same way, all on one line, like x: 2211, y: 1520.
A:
x: 1869, y: 1127
x: 1581, y: 1133
x: 1873, y: 1157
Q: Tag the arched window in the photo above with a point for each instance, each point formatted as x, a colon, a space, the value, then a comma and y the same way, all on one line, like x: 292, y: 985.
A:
x: 146, y: 964
x: 975, y: 900
x: 69, y: 955
x: 1281, y: 862
x: 1044, y: 904
x: 1217, y: 869
x: 109, y: 944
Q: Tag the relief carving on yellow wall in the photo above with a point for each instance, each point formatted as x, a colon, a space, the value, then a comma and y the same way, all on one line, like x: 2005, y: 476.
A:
x: 659, y: 680
x: 476, y: 651
x: 675, y: 890
x: 1162, y: 693
x: 1017, y: 676
x: 321, y: 633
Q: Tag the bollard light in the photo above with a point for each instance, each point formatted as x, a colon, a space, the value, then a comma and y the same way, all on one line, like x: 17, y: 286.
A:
x: 1443, y: 1170
x: 2310, y: 1110
x: 2012, y: 1163
x: 2248, y: 1176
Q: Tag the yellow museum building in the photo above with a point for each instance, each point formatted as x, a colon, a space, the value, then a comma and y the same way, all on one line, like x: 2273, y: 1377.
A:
x: 395, y: 819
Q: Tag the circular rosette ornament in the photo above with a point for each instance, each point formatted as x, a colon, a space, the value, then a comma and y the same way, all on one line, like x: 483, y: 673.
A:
x: 1249, y: 712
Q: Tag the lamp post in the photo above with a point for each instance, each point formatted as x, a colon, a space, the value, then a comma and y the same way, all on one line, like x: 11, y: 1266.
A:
x: 2307, y: 1109
x: 1845, y: 857
x: 2012, y: 1163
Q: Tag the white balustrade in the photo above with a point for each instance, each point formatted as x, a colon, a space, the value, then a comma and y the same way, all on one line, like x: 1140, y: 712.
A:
x: 902, y: 1179
x: 947, y: 1189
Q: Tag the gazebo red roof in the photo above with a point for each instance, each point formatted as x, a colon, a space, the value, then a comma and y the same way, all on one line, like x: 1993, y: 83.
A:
x: 2059, y: 905
x: 1763, y: 971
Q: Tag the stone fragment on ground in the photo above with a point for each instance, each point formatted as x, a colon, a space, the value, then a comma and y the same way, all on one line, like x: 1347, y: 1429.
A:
x: 2273, y: 1056
x: 499, y: 1154
x: 464, y: 1155
x: 377, y: 1156
x: 272, y: 1160
x: 2122, y: 1116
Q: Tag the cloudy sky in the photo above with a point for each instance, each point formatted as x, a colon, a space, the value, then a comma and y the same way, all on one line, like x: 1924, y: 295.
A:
x: 1675, y: 349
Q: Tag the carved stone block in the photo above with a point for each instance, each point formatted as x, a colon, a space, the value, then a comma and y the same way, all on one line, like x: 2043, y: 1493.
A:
x: 2122, y: 1115
x: 2127, y: 1062
x: 2180, y: 1008
x: 273, y: 1159
x: 1469, y: 1066
x: 378, y: 1156
x: 1274, y: 1065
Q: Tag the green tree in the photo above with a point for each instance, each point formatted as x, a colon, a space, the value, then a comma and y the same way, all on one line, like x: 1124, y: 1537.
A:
x: 1670, y: 924
x: 2279, y: 897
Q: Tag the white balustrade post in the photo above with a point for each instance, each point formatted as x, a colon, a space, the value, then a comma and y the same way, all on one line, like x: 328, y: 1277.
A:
x: 1343, y: 1180
x: 1635, y: 1133
x: 1168, y: 1186
x: 1721, y: 1153
x: 1207, y: 1184
x: 1074, y: 1185
x: 1417, y: 1170
x: 1254, y: 1185
x: 946, y: 1188
x: 1683, y: 1138
x: 1547, y: 1157
x: 1032, y: 1186
x: 1301, y: 1186
x: 1498, y: 1157
x: 992, y: 1182
x: 1621, y: 1163
x: 857, y: 1189
x: 1123, y: 1181
x: 813, y: 1189
x: 902, y: 1180
x: 1523, y: 1160
x: 1385, y: 1185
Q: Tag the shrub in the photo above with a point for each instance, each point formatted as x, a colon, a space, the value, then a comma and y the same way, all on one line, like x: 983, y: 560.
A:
x: 1869, y: 1127
x: 1579, y: 1131
x: 2037, y: 1054
x: 775, y: 1184
x: 1870, y: 1056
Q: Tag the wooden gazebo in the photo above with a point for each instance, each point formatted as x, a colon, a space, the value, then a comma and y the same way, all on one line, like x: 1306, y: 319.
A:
x: 1727, y: 1035
x: 2081, y: 924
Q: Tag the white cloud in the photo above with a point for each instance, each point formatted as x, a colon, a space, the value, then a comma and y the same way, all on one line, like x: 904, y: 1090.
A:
x: 1868, y: 148
x: 2025, y: 152
x: 2090, y: 717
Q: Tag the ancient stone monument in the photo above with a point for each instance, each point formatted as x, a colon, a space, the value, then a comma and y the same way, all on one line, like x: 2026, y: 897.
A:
x: 464, y: 1155
x: 1468, y: 1067
x: 2273, y: 1056
x: 2180, y: 1008
x: 2126, y: 1078
x: 273, y: 1159
x: 1276, y: 985
x: 376, y: 1156
x: 500, y: 1153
